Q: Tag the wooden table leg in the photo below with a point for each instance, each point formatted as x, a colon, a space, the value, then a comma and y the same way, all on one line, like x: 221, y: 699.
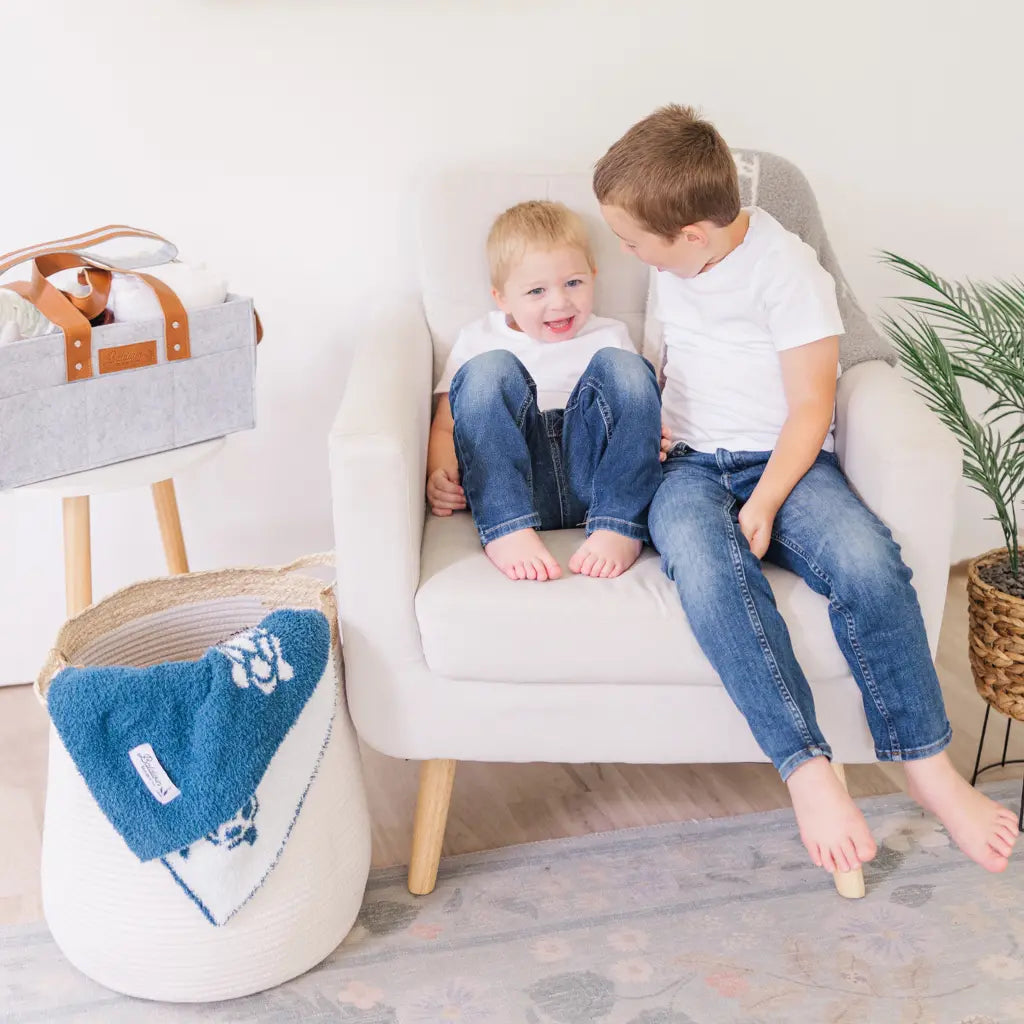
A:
x: 170, y: 526
x: 77, y: 554
x: 848, y: 883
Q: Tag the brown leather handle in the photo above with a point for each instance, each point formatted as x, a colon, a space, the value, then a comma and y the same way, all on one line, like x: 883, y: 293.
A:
x: 73, y: 319
x: 57, y: 308
x: 176, y: 337
x: 95, y: 300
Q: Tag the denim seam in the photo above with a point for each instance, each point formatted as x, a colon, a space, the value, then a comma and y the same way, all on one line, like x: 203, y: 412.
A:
x: 520, y: 419
x: 918, y: 753
x: 602, y: 405
x: 802, y: 756
x: 460, y: 455
x: 528, y: 521
x: 606, y: 417
x: 560, y: 485
x: 521, y: 415
x: 762, y: 639
x: 851, y: 634
x: 641, y: 533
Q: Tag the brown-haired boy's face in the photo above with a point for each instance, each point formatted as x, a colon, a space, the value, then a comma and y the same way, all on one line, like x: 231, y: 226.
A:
x: 686, y: 256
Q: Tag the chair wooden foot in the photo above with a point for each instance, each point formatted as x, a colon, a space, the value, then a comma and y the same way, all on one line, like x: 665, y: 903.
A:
x: 436, y: 780
x: 170, y: 526
x: 848, y: 883
x: 77, y: 554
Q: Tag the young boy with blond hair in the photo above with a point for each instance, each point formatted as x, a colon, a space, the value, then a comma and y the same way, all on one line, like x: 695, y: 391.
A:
x: 547, y: 417
x: 750, y: 328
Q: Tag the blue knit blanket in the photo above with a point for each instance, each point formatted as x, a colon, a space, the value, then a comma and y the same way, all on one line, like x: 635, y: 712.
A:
x: 206, y: 764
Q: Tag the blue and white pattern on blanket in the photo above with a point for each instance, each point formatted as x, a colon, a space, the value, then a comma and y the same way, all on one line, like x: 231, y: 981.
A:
x: 240, y: 829
x: 257, y: 660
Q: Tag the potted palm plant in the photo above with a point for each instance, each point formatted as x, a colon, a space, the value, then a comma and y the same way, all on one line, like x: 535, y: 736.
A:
x: 969, y: 331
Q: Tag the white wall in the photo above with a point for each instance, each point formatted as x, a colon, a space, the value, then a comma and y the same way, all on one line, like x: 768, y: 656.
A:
x: 278, y: 140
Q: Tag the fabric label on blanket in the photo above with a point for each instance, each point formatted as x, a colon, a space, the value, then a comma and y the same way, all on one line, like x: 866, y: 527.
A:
x: 221, y: 871
x: 152, y: 773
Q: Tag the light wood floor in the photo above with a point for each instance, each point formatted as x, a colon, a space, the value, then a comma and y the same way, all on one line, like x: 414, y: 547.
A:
x: 497, y: 804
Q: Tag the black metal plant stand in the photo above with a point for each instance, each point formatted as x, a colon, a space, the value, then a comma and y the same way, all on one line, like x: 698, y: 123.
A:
x: 1002, y: 763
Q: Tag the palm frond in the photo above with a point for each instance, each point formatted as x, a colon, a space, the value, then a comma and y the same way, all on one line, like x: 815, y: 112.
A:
x: 969, y: 331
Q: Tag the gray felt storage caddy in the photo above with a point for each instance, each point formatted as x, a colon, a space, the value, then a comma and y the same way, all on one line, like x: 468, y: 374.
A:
x: 87, y: 397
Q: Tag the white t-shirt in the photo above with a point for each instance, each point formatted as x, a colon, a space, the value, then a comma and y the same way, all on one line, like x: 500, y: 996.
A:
x: 555, y: 366
x: 724, y: 329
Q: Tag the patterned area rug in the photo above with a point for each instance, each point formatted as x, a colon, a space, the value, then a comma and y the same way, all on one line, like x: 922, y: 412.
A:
x: 710, y: 922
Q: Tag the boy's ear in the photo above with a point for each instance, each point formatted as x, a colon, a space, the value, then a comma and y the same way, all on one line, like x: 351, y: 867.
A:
x: 695, y: 234
x: 499, y: 300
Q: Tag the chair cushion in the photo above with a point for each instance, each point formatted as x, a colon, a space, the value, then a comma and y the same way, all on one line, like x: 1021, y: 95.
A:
x: 476, y: 624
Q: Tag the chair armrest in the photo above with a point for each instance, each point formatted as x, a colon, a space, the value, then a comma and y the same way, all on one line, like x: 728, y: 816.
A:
x: 906, y: 467
x: 378, y: 451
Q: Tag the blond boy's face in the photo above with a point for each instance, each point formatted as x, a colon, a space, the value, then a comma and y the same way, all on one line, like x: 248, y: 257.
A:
x: 686, y: 256
x: 549, y: 294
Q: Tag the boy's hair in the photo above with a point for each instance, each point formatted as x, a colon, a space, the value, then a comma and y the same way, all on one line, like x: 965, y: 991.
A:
x: 539, y: 224
x: 670, y: 170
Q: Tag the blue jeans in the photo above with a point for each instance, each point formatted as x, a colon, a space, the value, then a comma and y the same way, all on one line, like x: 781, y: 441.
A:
x: 825, y: 535
x: 594, y: 463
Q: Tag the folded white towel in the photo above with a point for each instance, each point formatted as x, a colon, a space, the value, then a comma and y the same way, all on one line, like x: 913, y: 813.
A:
x: 20, y: 319
x: 197, y: 287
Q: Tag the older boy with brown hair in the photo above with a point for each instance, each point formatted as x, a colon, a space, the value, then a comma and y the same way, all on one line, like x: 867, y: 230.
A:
x: 751, y: 327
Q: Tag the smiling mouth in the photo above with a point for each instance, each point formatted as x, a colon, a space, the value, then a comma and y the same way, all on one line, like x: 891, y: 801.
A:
x: 560, y: 326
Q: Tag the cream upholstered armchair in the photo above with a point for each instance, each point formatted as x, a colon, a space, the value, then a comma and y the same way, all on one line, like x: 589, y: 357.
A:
x: 448, y: 661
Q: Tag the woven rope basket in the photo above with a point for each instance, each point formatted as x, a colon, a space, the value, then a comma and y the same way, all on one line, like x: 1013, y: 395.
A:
x: 996, y: 639
x: 126, y: 924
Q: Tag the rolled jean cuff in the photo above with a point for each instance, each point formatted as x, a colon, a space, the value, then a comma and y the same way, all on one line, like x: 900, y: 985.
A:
x: 791, y: 763
x: 917, y: 753
x: 531, y: 521
x: 622, y: 526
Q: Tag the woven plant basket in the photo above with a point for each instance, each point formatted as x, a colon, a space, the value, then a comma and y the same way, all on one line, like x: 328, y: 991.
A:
x: 996, y: 639
x: 125, y: 923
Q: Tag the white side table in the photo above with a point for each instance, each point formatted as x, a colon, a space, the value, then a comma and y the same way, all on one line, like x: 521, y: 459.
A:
x: 156, y: 471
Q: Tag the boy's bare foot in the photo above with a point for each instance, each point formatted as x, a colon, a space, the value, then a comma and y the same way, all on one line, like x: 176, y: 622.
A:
x: 605, y: 554
x: 983, y: 829
x: 831, y: 826
x: 522, y: 556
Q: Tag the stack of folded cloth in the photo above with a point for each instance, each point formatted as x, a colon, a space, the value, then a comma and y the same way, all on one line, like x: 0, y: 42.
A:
x: 131, y: 299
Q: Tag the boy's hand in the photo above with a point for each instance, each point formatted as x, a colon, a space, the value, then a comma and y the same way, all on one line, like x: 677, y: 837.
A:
x: 756, y: 522
x: 444, y: 494
x: 666, y: 442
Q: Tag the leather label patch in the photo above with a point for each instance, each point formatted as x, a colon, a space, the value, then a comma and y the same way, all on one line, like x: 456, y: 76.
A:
x: 127, y: 357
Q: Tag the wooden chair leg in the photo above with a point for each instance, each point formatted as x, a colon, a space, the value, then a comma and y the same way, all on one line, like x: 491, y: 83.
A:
x: 436, y: 780
x: 170, y: 526
x: 848, y: 883
x: 77, y: 555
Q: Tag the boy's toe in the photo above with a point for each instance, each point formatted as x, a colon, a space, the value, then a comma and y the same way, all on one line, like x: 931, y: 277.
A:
x: 1001, y: 844
x: 850, y: 852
